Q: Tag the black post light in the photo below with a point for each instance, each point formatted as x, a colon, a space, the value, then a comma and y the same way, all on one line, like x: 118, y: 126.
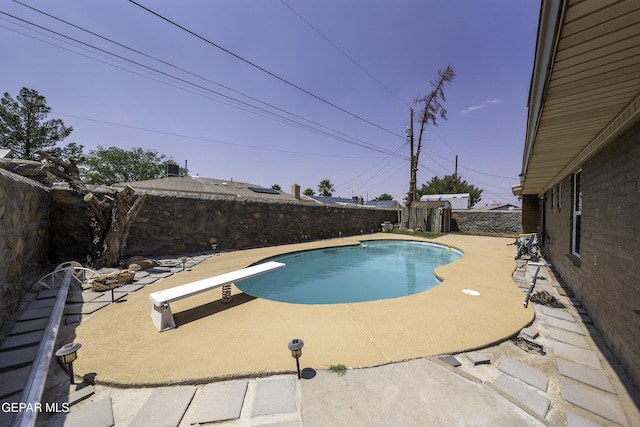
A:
x: 295, y: 345
x: 67, y: 354
x: 112, y: 284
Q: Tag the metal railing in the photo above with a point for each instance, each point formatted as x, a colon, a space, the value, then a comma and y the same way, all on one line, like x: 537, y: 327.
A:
x: 32, y: 393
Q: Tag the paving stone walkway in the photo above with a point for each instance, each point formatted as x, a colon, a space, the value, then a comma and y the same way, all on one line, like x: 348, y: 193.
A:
x: 19, y: 348
x: 574, y: 383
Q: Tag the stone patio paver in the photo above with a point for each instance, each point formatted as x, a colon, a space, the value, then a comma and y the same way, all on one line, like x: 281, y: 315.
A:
x: 165, y: 407
x: 275, y: 397
x: 564, y: 324
x: 568, y: 337
x: 571, y: 352
x: 600, y: 403
x: 524, y: 395
x: 220, y: 402
x: 524, y: 372
x: 585, y: 374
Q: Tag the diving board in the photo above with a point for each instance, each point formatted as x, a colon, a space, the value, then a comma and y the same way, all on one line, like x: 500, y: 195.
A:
x: 161, y: 314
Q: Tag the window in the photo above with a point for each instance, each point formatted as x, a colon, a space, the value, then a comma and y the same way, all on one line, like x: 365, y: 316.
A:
x: 577, y: 214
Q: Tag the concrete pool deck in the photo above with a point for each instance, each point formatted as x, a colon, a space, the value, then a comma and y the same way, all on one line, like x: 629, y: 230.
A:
x: 248, y: 337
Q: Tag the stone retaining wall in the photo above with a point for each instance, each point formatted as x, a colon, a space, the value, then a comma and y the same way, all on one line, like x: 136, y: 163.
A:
x: 24, y: 227
x: 170, y: 224
x: 487, y: 222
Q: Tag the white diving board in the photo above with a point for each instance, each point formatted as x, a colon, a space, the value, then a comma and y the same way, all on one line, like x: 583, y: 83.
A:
x: 161, y: 314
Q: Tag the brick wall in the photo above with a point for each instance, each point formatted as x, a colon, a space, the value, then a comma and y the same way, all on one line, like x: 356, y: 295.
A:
x: 606, y: 276
x: 24, y: 227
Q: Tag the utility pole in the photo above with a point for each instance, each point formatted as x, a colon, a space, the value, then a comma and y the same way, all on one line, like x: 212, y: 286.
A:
x: 455, y: 178
x: 411, y: 197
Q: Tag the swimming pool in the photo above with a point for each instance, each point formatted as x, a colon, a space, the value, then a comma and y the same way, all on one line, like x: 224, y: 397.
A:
x: 373, y: 270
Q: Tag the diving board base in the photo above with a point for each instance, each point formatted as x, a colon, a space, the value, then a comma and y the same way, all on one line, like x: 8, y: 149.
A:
x: 162, y: 317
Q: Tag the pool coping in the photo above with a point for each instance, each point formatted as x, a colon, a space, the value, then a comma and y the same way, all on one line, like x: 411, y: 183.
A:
x: 248, y: 337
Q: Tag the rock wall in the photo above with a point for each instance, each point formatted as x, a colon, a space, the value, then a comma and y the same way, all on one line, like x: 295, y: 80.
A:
x: 169, y: 224
x: 24, y: 229
x: 487, y: 222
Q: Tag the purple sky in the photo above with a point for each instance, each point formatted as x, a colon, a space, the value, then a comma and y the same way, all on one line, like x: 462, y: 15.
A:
x: 363, y: 62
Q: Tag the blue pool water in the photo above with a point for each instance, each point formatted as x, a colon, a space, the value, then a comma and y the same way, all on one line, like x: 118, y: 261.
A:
x: 375, y: 270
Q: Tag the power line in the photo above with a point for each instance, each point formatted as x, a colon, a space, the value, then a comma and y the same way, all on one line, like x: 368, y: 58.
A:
x: 200, y: 87
x: 192, y: 137
x: 177, y: 67
x: 344, y: 53
x: 264, y: 70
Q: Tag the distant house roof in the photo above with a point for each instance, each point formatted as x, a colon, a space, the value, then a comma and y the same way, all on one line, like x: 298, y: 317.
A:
x: 211, y: 186
x: 498, y: 207
x: 384, y: 204
x: 6, y: 153
x: 459, y: 201
x: 430, y: 204
x: 433, y: 197
x: 330, y: 200
x: 343, y: 201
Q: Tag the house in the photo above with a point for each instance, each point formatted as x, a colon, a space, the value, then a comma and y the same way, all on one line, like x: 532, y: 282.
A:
x: 195, y: 185
x: 497, y: 207
x: 355, y: 201
x: 6, y: 153
x: 580, y: 180
x: 460, y: 201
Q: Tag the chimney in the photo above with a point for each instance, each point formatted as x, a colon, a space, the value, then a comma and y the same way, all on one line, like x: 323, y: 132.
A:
x: 295, y: 190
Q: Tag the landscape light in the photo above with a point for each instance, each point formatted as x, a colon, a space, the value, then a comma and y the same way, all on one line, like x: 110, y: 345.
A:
x: 67, y: 354
x: 295, y: 345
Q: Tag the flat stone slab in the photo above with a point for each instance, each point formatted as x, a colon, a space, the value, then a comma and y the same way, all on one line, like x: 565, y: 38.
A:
x: 530, y: 333
x: 28, y: 326
x: 594, y: 401
x: 523, y: 394
x: 586, y: 319
x: 161, y: 275
x: 146, y: 280
x: 42, y: 303
x: 86, y: 308
x: 220, y: 402
x: 165, y: 407
x: 575, y: 420
x: 96, y: 414
x: 80, y: 395
x: 568, y: 337
x: 36, y: 313
x: 106, y: 297
x: 140, y: 274
x: 558, y: 313
x: 47, y: 293
x: 82, y: 296
x: 157, y: 270
x: 17, y: 358
x: 585, y: 374
x: 564, y: 324
x: 13, y: 381
x: 577, y: 354
x: 523, y: 372
x: 276, y: 396
x: 451, y: 360
x: 129, y: 288
x: 22, y: 340
x: 478, y: 358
